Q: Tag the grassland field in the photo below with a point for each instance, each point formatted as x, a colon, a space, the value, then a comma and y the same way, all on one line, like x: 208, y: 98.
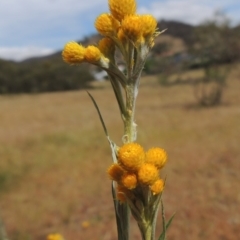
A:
x: 54, y: 156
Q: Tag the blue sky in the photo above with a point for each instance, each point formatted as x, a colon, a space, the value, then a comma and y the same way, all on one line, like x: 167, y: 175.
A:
x: 35, y: 28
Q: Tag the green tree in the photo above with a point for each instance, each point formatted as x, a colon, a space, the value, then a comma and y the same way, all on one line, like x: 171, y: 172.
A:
x: 215, y: 45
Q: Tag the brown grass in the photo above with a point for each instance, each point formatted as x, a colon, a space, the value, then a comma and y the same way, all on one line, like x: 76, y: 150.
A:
x: 54, y: 157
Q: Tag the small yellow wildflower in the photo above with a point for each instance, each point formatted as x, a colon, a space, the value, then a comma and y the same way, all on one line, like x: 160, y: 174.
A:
x: 157, y: 187
x: 149, y: 25
x: 131, y: 156
x: 132, y: 27
x: 106, y: 24
x: 107, y: 46
x: 156, y: 156
x: 129, y: 180
x: 92, y: 54
x: 85, y: 224
x: 148, y: 174
x: 121, y: 36
x: 55, y: 236
x: 115, y: 172
x: 120, y: 8
x: 73, y: 53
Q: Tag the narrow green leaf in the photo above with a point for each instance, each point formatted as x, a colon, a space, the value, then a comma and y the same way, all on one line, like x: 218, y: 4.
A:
x: 163, y: 234
x: 165, y: 226
x: 170, y: 221
x: 122, y: 213
x: 112, y: 144
x: 99, y: 114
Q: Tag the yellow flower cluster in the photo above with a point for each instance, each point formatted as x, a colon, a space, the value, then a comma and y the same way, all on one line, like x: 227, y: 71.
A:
x: 123, y: 21
x: 119, y: 27
x: 75, y: 53
x: 137, y: 168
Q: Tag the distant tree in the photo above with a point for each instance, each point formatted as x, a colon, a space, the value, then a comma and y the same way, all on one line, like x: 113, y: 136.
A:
x: 42, y: 76
x: 215, y: 44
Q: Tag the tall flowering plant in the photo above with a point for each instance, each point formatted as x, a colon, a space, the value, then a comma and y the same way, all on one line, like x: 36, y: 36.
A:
x: 136, y: 183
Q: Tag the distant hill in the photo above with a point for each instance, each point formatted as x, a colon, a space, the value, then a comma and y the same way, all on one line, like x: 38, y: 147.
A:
x: 50, y: 73
x: 177, y: 29
x: 174, y: 29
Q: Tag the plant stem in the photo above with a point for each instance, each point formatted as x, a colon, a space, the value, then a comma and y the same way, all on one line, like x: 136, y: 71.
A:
x: 146, y: 231
x: 129, y: 125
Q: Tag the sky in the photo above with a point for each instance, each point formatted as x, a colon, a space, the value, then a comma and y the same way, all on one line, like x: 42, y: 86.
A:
x: 30, y: 28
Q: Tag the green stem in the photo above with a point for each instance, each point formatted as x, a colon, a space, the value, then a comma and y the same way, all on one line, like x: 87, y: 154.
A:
x: 146, y: 231
x: 130, y: 132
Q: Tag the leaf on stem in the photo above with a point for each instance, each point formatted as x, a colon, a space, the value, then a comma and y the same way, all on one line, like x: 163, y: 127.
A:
x: 165, y: 226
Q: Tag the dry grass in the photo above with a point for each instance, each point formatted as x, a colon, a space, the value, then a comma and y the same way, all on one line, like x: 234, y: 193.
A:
x: 54, y: 157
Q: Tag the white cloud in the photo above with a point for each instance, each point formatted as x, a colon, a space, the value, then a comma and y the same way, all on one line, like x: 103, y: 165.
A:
x: 49, y: 24
x: 190, y: 11
x: 21, y: 53
x: 30, y: 18
x: 45, y: 24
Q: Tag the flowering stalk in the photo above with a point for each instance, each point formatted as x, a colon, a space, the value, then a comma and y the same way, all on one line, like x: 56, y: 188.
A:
x: 135, y: 173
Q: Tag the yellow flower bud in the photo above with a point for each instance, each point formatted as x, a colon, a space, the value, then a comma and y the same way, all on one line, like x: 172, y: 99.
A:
x: 131, y: 156
x: 157, y: 187
x: 149, y: 25
x: 121, y: 36
x: 107, y: 46
x: 115, y: 172
x: 106, y: 24
x: 92, y: 54
x: 73, y: 53
x: 132, y: 27
x: 148, y: 174
x: 129, y: 180
x: 156, y: 156
x: 120, y: 8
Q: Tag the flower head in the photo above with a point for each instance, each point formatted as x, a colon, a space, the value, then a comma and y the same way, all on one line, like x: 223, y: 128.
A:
x: 121, y: 36
x: 107, y: 46
x: 149, y: 25
x: 129, y: 180
x: 156, y: 156
x: 132, y: 27
x: 148, y: 174
x: 92, y: 54
x: 106, y: 24
x: 157, y: 187
x: 73, y: 53
x: 120, y: 8
x: 115, y: 172
x: 131, y: 156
